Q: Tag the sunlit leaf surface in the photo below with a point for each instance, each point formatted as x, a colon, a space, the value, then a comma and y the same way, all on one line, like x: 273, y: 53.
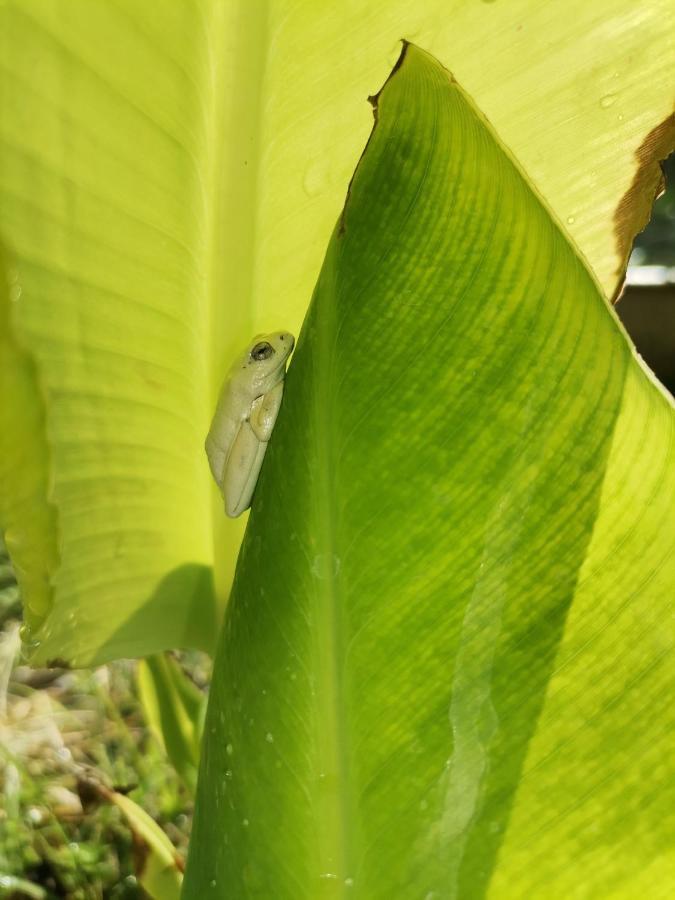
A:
x: 447, y: 666
x: 169, y: 176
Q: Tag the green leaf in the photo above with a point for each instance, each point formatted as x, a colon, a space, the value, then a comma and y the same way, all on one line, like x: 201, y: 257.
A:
x: 160, y: 868
x: 448, y: 656
x: 174, y: 709
x: 169, y: 176
x: 99, y: 175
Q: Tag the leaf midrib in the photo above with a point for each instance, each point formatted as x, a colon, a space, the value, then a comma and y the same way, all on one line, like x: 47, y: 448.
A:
x: 333, y: 810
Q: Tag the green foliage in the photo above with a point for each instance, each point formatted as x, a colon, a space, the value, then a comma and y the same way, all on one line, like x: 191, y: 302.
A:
x: 160, y: 867
x: 444, y: 655
x: 60, y: 734
x: 448, y: 651
x: 174, y: 709
x: 159, y: 211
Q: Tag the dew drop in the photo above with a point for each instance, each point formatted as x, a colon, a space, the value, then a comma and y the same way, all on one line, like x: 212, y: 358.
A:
x: 571, y: 220
x: 244, y: 822
x: 229, y: 749
x: 269, y: 737
x: 228, y: 773
x: 349, y: 882
x: 325, y: 566
x: 213, y: 882
x: 608, y: 100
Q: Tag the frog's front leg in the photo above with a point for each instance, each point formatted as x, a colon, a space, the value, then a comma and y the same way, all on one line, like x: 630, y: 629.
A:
x: 264, y: 411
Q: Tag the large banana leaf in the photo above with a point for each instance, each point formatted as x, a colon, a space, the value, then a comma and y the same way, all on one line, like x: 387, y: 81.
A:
x: 169, y: 175
x: 447, y: 665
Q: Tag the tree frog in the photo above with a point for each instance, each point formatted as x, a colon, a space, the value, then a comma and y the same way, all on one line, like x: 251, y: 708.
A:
x: 247, y: 409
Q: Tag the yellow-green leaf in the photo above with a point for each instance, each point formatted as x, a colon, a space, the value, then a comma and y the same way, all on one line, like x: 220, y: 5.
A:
x: 169, y: 176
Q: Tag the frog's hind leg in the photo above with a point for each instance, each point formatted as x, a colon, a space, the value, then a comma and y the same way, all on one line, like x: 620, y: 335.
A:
x: 241, y: 470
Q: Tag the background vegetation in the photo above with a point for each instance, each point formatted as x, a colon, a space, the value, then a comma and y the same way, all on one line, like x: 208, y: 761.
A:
x: 62, y: 734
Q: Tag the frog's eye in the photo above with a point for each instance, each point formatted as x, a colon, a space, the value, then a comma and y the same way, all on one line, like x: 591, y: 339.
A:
x: 262, y: 351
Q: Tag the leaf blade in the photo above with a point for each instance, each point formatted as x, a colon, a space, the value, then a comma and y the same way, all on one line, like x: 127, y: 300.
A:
x: 99, y: 207
x: 123, y: 184
x: 431, y: 501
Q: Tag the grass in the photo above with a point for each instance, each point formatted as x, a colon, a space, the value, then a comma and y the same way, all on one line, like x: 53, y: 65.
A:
x: 60, y: 732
